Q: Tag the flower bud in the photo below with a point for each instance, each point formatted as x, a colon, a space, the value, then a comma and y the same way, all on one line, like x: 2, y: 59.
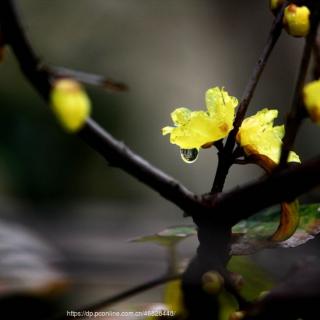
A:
x: 212, y: 282
x: 276, y: 4
x: 296, y: 20
x: 311, y: 97
x: 70, y: 104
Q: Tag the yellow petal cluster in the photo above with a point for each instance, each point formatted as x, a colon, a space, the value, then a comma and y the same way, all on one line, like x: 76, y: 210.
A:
x: 311, y: 97
x: 258, y: 136
x: 194, y: 129
x: 296, y: 20
x: 70, y: 104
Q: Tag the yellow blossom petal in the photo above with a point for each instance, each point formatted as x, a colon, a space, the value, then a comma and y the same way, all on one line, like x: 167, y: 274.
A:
x: 194, y: 129
x: 289, y: 221
x: 296, y: 20
x: 258, y: 136
x: 262, y: 141
x: 70, y: 104
x: 311, y: 96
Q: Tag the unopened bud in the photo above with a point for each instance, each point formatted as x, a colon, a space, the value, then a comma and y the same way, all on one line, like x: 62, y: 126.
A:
x: 311, y: 98
x: 70, y: 104
x: 276, y: 4
x: 296, y: 20
x: 212, y: 282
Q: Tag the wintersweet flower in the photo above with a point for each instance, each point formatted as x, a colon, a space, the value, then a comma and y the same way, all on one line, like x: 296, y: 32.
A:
x: 196, y: 129
x: 70, y: 104
x: 261, y: 139
x: 296, y: 20
x: 311, y: 97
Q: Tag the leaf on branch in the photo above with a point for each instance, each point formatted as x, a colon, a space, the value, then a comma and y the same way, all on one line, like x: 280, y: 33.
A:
x: 170, y: 236
x: 255, y: 233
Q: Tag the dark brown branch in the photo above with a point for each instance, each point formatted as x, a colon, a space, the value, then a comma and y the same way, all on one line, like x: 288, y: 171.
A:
x: 119, y: 155
x: 115, y: 152
x: 286, y: 185
x: 316, y: 54
x: 104, y: 303
x: 225, y: 156
x: 298, y: 113
x: 88, y: 78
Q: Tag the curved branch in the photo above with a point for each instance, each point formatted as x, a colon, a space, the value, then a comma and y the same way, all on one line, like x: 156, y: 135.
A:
x: 115, y: 152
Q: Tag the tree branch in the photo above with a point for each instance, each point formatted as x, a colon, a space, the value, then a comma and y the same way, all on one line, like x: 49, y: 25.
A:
x: 115, y: 152
x: 88, y: 78
x: 225, y: 156
x: 285, y: 185
x: 104, y: 303
x: 298, y: 112
x: 316, y: 54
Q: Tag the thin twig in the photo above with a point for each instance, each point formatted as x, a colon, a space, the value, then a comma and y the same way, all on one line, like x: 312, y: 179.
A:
x: 88, y: 78
x: 225, y: 156
x: 298, y: 113
x: 316, y: 54
x: 115, y: 152
x: 105, y: 303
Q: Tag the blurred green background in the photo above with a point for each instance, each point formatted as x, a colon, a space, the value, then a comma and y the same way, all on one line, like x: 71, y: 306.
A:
x: 169, y: 52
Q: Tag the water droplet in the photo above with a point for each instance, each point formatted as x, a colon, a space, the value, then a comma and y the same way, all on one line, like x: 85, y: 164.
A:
x: 189, y: 155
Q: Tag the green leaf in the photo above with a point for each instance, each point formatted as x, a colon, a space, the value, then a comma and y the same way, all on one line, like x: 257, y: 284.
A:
x: 170, y: 236
x: 254, y: 234
x: 255, y: 279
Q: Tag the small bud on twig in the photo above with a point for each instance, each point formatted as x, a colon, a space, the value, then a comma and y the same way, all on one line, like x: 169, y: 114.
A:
x: 212, y: 282
x: 296, y: 20
x: 70, y: 104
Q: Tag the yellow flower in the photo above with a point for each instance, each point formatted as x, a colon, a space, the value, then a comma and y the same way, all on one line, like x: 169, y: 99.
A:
x: 311, y: 97
x: 296, y: 20
x: 259, y: 137
x: 70, y: 104
x: 262, y: 142
x: 195, y: 129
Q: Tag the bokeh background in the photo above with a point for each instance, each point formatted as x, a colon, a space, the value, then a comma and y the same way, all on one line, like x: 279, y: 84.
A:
x: 169, y: 52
